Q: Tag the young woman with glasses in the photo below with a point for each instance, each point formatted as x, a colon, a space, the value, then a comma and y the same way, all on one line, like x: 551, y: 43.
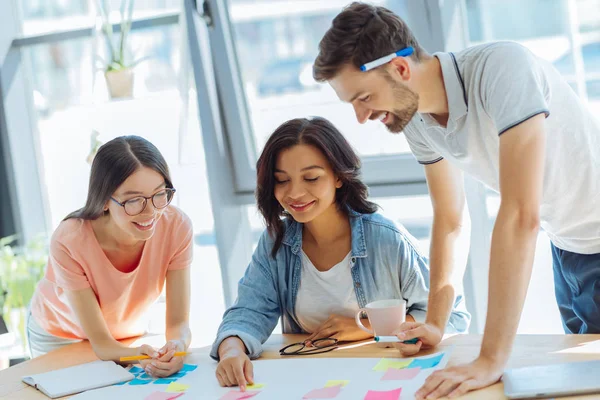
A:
x: 109, y: 262
x: 325, y: 254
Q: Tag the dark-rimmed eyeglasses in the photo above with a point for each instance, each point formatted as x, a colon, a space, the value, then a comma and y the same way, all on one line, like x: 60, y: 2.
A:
x: 323, y: 345
x: 137, y: 205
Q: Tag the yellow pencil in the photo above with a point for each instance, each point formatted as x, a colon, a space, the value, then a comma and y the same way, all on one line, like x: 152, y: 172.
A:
x: 144, y: 357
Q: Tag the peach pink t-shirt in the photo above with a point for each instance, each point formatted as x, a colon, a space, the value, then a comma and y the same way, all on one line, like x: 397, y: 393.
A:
x: 77, y: 262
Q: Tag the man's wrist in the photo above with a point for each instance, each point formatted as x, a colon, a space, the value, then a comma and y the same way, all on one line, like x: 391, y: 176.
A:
x: 494, y: 359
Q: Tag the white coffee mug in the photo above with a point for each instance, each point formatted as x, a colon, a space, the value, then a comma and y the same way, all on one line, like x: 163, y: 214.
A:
x: 385, y: 316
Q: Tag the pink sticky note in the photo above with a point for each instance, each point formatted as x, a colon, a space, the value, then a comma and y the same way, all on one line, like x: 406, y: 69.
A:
x: 163, y: 396
x: 390, y: 395
x: 237, y: 395
x: 324, y: 393
x: 393, y: 374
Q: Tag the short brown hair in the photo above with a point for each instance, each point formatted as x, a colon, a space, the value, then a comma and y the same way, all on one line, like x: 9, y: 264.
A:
x: 360, y: 34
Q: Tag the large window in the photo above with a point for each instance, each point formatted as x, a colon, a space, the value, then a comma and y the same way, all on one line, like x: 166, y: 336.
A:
x: 278, y: 84
x: 74, y: 114
x: 564, y: 32
x: 48, y: 16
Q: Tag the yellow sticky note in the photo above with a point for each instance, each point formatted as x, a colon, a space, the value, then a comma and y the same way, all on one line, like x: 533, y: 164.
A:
x: 384, y: 364
x: 255, y: 386
x: 175, y: 387
x: 336, y: 383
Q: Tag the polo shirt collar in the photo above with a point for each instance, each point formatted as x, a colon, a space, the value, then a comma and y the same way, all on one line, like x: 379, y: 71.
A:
x: 455, y: 92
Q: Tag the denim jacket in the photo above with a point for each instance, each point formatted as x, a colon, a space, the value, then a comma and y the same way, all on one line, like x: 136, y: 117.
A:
x: 385, y: 264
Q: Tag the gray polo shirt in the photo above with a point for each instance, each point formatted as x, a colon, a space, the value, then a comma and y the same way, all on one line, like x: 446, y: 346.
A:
x: 494, y: 87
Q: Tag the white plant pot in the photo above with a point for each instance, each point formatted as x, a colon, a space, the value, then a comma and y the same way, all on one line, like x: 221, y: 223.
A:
x: 120, y: 83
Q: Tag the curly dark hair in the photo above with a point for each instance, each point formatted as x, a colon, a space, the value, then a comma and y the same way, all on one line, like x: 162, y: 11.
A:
x: 360, y: 34
x: 345, y: 163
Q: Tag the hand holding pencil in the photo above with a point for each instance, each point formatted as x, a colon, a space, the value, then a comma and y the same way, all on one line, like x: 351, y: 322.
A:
x: 163, y: 362
x: 146, y: 357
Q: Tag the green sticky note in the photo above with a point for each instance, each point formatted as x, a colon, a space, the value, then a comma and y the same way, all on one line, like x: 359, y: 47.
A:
x: 255, y: 386
x: 336, y: 383
x: 175, y: 387
x: 384, y: 364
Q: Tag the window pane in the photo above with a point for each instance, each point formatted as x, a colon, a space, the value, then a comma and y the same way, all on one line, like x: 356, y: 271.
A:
x: 63, y: 73
x: 276, y: 44
x: 543, y: 26
x: 45, y: 16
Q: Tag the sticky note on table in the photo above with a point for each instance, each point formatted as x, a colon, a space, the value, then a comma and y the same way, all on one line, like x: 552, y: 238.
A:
x: 389, y: 395
x: 138, y: 381
x: 324, y: 393
x: 135, y: 369
x: 336, y: 383
x: 385, y: 363
x: 188, y: 368
x: 237, y: 395
x: 163, y: 381
x: 175, y: 387
x: 255, y: 386
x: 400, y: 374
x: 424, y: 363
x: 163, y: 396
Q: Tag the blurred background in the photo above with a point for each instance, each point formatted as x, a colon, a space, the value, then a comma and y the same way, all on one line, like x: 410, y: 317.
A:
x: 207, y: 82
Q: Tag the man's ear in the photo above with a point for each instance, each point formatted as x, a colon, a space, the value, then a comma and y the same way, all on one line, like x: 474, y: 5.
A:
x: 400, y: 68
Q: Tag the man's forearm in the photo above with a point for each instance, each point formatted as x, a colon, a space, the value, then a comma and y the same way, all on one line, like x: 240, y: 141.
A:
x: 442, y: 268
x: 511, y: 261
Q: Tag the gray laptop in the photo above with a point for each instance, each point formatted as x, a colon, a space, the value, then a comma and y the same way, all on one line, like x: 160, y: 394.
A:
x: 552, y: 380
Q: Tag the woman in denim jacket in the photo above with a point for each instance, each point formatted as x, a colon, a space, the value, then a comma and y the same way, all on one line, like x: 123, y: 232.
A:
x: 325, y: 252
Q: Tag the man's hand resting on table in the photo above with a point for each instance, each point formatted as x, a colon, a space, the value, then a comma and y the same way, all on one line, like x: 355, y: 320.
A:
x: 456, y: 381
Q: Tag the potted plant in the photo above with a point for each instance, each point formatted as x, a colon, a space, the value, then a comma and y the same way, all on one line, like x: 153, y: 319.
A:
x: 21, y: 268
x: 118, y: 68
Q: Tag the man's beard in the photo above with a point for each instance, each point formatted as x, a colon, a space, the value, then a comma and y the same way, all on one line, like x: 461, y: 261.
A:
x: 410, y: 102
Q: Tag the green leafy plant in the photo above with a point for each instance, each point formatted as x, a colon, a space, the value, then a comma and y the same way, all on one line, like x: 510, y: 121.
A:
x: 21, y: 268
x: 117, y: 48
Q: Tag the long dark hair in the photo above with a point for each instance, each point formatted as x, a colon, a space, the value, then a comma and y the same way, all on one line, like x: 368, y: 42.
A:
x: 344, y: 162
x: 113, y: 164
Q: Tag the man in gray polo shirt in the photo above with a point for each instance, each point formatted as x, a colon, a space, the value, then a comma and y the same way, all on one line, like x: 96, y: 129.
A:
x: 497, y: 112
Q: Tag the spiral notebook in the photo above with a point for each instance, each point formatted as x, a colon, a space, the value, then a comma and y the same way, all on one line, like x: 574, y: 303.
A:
x: 79, y: 378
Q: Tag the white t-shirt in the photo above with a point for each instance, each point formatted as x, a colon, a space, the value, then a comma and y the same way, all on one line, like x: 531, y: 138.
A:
x: 324, y: 293
x: 494, y: 87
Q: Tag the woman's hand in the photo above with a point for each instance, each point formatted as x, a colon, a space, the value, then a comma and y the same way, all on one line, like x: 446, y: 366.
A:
x: 235, y: 369
x: 341, y: 328
x: 165, y: 363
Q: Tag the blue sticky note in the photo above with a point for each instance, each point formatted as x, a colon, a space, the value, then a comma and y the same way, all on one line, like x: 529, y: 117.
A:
x: 164, y: 381
x: 426, y: 362
x: 177, y: 375
x: 188, y: 368
x: 119, y: 384
x: 136, y: 370
x: 137, y: 381
x: 144, y: 376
